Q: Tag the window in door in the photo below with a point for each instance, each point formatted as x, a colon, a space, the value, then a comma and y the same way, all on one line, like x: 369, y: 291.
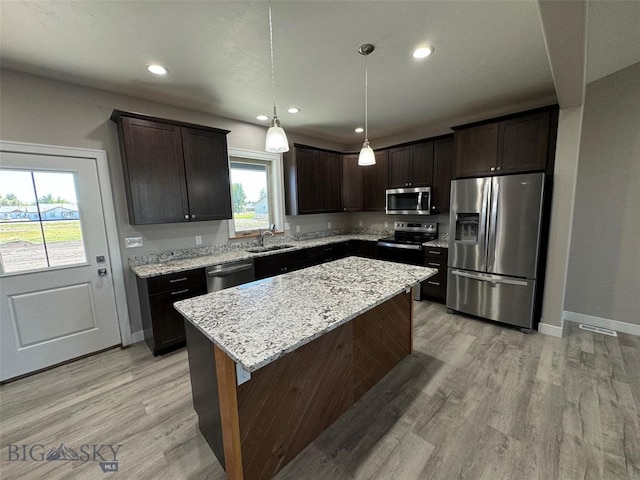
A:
x: 39, y: 221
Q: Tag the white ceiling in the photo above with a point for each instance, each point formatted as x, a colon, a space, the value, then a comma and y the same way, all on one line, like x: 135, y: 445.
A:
x: 489, y: 55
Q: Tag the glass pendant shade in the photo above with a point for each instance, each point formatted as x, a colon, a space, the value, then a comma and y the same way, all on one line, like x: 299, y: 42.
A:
x: 366, y: 157
x: 276, y: 138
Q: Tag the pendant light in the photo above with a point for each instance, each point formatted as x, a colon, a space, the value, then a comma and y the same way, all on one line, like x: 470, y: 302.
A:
x: 276, y: 141
x: 366, y: 157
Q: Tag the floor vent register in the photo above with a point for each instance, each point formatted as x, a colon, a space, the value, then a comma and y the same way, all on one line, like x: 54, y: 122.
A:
x: 604, y: 331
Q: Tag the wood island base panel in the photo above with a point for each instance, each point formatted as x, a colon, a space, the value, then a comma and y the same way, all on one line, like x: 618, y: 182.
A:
x: 256, y: 428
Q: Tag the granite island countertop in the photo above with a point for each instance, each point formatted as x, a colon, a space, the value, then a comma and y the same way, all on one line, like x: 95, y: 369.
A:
x: 259, y: 322
x: 236, y: 254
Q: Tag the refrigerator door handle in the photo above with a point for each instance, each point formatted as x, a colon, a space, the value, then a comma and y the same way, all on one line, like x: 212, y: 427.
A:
x: 492, y: 230
x: 489, y: 278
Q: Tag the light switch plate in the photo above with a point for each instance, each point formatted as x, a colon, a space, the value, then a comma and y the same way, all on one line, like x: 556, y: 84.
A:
x: 329, y: 225
x: 133, y: 242
x: 287, y: 226
x: 198, y: 239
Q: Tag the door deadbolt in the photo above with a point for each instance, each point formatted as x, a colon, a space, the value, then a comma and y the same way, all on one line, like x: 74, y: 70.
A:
x: 100, y: 259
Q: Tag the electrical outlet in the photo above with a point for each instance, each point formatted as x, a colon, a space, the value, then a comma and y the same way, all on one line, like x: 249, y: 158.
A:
x: 297, y: 228
x: 329, y: 225
x: 133, y: 242
x: 198, y: 239
x: 242, y: 375
x: 361, y: 223
x: 287, y: 226
x: 386, y: 224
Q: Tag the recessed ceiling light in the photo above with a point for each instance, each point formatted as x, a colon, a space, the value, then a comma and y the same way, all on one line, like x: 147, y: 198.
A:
x: 422, y: 52
x: 157, y: 69
x: 293, y: 110
x: 359, y: 130
x: 262, y: 118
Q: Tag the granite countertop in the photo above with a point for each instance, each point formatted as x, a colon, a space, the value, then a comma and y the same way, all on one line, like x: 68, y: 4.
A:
x: 440, y: 243
x: 235, y: 254
x: 258, y: 322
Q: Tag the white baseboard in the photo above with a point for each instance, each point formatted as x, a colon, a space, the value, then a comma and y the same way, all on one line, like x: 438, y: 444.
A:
x: 137, y: 336
x: 623, y: 327
x: 550, y: 330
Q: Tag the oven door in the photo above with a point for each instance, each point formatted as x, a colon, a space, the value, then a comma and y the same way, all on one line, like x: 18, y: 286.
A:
x: 400, y: 253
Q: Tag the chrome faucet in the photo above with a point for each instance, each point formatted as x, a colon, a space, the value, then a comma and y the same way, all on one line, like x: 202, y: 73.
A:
x: 262, y: 234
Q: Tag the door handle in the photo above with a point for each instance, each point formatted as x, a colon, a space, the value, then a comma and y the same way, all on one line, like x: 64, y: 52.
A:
x: 102, y: 272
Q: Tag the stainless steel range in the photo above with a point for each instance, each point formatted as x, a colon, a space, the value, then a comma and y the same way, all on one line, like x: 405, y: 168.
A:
x: 405, y: 245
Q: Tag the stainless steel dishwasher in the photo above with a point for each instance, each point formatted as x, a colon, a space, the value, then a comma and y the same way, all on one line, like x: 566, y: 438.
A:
x: 227, y: 275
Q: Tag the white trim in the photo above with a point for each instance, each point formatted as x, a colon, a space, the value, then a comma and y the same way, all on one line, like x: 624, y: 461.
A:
x: 616, y: 325
x: 117, y: 273
x: 550, y: 330
x: 277, y: 181
x: 137, y: 336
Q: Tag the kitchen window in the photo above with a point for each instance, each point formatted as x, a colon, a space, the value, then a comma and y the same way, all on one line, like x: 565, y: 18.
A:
x: 256, y: 192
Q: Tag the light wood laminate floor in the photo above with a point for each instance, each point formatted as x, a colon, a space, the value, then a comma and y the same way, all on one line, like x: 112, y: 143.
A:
x: 474, y: 401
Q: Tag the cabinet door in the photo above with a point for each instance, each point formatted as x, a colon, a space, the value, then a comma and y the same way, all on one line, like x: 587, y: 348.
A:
x: 168, y: 324
x: 154, y: 172
x: 442, y: 174
x: 421, y: 165
x: 476, y: 150
x: 523, y: 144
x: 308, y: 187
x: 329, y: 181
x: 375, y: 181
x: 400, y: 167
x: 351, y: 184
x: 207, y: 174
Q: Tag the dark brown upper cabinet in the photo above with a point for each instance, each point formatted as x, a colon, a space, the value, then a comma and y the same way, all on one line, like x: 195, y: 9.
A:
x: 443, y: 163
x: 313, y: 180
x: 515, y: 144
x: 375, y: 181
x: 411, y: 165
x: 173, y: 171
x: 351, y: 183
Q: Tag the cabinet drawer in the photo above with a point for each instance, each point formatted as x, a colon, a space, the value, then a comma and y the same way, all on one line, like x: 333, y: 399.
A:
x: 175, y: 281
x: 437, y: 252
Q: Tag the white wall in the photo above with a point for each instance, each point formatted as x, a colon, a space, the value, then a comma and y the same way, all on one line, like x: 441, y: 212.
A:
x: 604, y: 262
x: 38, y: 110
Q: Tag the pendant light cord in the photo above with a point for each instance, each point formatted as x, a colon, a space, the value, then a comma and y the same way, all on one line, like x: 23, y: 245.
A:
x: 273, y: 75
x: 366, y: 100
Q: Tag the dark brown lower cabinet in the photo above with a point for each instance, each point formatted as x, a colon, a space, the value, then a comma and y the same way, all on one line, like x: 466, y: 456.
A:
x: 363, y: 248
x: 435, y: 288
x: 163, y: 325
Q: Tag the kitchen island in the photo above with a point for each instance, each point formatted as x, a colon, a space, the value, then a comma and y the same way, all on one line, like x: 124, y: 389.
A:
x: 312, y: 342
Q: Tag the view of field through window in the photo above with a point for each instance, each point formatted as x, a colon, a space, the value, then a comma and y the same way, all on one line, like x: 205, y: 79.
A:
x: 39, y: 220
x: 250, y: 196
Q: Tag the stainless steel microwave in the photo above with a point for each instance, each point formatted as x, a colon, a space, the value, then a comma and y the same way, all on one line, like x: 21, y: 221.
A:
x: 409, y: 201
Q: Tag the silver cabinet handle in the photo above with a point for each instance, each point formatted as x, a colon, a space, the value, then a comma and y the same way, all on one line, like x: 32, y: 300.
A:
x: 433, y: 264
x: 434, y: 253
x: 193, y: 216
x: 434, y: 283
x: 493, y: 169
x: 499, y: 168
x: 186, y: 216
x: 180, y: 291
x: 176, y: 280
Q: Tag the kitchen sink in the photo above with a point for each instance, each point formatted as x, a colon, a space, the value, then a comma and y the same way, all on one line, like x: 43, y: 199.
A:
x: 270, y: 248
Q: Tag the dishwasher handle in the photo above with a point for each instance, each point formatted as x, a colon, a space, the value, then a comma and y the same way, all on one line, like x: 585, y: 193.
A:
x: 224, y: 270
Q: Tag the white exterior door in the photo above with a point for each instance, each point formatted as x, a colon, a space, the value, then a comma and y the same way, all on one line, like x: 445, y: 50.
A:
x: 57, y: 297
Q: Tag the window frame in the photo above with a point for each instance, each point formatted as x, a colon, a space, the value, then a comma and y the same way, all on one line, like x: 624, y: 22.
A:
x: 275, y: 186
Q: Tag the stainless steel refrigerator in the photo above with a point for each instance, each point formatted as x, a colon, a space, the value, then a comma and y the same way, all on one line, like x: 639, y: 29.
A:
x: 494, y: 246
